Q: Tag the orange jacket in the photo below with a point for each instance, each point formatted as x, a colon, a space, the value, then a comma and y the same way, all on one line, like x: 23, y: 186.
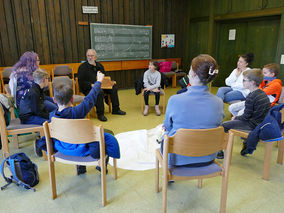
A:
x: 272, y: 88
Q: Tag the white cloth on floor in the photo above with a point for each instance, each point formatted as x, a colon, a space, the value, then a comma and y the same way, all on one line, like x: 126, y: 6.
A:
x: 137, y: 148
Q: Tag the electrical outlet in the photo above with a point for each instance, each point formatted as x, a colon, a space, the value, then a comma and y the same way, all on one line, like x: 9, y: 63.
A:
x: 282, y: 59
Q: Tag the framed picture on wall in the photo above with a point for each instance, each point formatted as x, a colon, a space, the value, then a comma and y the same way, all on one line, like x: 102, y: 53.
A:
x: 167, y: 40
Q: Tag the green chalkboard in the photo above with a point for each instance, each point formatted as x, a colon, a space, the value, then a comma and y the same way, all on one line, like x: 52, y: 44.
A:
x: 114, y: 42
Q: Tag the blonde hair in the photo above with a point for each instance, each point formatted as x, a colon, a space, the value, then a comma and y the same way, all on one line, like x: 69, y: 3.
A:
x: 39, y: 75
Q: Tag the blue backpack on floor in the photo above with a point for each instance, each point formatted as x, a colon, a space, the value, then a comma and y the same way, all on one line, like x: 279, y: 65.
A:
x: 24, y: 171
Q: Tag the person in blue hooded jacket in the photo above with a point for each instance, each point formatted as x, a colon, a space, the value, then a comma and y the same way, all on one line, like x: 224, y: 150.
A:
x: 63, y: 95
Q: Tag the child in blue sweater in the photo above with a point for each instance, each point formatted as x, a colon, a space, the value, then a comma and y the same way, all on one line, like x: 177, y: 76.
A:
x: 63, y: 95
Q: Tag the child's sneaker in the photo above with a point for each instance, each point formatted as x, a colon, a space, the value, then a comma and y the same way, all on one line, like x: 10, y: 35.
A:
x: 81, y: 169
x: 146, y: 110
x: 99, y: 168
x: 37, y: 150
x: 157, y: 108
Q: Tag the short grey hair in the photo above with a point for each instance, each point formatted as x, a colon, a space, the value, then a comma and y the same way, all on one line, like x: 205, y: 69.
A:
x: 94, y: 51
x: 39, y: 75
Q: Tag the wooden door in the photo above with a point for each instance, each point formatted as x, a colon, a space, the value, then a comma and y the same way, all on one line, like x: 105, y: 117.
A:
x: 258, y: 36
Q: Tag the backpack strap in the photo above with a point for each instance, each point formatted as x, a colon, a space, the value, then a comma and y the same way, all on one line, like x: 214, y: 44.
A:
x: 7, y: 179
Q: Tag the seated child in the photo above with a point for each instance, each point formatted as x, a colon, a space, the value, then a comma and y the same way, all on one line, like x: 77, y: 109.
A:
x: 32, y: 104
x: 257, y: 105
x: 270, y: 85
x: 63, y: 95
x: 152, y: 84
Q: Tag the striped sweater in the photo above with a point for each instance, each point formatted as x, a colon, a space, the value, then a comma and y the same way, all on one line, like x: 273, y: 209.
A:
x: 257, y: 105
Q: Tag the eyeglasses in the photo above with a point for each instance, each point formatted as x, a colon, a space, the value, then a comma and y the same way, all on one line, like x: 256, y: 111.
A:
x: 246, y: 80
x: 90, y: 55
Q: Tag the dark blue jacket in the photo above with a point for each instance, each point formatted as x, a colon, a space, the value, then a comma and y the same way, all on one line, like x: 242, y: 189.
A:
x: 269, y: 130
x: 79, y: 112
x: 32, y: 103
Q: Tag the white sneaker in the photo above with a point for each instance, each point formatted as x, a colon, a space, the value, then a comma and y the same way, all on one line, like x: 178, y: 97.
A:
x: 157, y: 108
x: 146, y: 110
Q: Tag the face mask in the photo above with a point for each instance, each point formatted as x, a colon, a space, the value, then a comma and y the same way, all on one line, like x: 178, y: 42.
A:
x: 266, y: 78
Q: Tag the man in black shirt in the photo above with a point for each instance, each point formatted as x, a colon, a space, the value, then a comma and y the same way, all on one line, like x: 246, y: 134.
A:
x: 87, y: 73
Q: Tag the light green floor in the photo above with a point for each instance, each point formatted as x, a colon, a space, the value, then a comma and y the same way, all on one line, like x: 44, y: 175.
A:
x: 134, y: 191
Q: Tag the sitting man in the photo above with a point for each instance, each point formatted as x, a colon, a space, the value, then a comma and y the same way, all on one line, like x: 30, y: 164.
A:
x: 87, y: 74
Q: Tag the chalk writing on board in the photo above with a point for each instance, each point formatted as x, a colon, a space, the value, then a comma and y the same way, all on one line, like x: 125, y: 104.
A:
x: 121, y: 42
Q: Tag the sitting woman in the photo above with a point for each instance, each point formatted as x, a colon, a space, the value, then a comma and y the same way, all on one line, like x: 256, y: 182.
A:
x: 235, y: 90
x: 196, y: 108
x: 21, y: 79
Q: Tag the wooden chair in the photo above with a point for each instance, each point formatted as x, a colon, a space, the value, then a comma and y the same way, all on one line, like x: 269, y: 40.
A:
x: 14, y: 128
x: 62, y: 70
x: 5, y: 77
x: 65, y: 80
x: 267, y: 153
x: 162, y: 94
x: 75, y: 131
x: 195, y: 142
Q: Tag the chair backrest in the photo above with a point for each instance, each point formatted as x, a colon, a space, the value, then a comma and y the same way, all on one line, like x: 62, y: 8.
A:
x: 62, y: 70
x: 7, y: 72
x: 75, y: 131
x: 196, y: 142
x: 61, y: 79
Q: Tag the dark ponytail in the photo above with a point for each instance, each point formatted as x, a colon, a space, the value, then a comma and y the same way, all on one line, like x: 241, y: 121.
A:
x: 248, y: 57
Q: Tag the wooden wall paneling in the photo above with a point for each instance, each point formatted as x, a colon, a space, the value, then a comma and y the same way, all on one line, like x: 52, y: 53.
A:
x: 116, y: 12
x: 73, y: 28
x: 20, y: 25
x: 5, y: 57
x: 120, y: 19
x: 280, y: 47
x: 147, y: 12
x: 50, y: 16
x: 59, y: 35
x: 66, y: 31
x: 104, y: 11
x: 221, y: 6
x: 126, y: 10
x: 86, y: 29
x: 167, y: 14
x: 136, y: 12
x: 45, y: 57
x: 36, y: 28
x: 110, y: 11
x: 243, y: 5
x: 11, y: 42
x: 97, y: 17
x: 273, y: 3
x: 259, y: 43
x: 28, y: 26
x: 80, y: 31
x: 141, y: 12
x: 131, y: 12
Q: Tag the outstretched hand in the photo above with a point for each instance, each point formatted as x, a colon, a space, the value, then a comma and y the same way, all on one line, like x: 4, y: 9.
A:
x: 100, y: 76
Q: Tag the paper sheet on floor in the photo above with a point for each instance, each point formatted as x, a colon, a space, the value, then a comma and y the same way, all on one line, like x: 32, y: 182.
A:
x: 137, y: 149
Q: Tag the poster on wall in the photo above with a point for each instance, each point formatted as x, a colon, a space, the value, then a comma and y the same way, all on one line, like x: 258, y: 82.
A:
x: 168, y: 40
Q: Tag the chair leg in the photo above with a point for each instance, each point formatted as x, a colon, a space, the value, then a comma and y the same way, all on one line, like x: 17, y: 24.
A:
x: 103, y: 181
x: 5, y: 146
x: 164, y: 103
x: 52, y: 179
x: 142, y: 102
x: 200, y: 183
x: 157, y: 175
x: 280, y: 152
x: 267, y: 159
x: 165, y: 189
x: 114, y: 169
x: 224, y: 192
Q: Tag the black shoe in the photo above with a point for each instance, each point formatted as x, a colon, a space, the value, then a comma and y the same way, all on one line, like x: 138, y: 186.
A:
x: 102, y: 118
x: 220, y: 154
x: 244, y: 151
x: 81, y: 169
x: 38, y: 151
x: 118, y: 112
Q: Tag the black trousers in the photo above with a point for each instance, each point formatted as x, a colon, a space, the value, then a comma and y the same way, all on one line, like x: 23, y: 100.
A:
x: 114, y: 100
x: 146, y: 97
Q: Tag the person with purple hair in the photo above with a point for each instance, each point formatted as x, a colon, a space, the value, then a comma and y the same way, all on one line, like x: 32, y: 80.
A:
x: 21, y: 78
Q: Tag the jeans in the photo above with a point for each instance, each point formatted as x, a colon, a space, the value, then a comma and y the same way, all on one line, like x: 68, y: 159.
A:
x: 49, y: 104
x: 237, y: 124
x: 146, y: 97
x: 34, y: 120
x: 227, y: 94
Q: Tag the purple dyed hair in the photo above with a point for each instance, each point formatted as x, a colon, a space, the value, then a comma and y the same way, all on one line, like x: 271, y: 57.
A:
x: 27, y: 61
